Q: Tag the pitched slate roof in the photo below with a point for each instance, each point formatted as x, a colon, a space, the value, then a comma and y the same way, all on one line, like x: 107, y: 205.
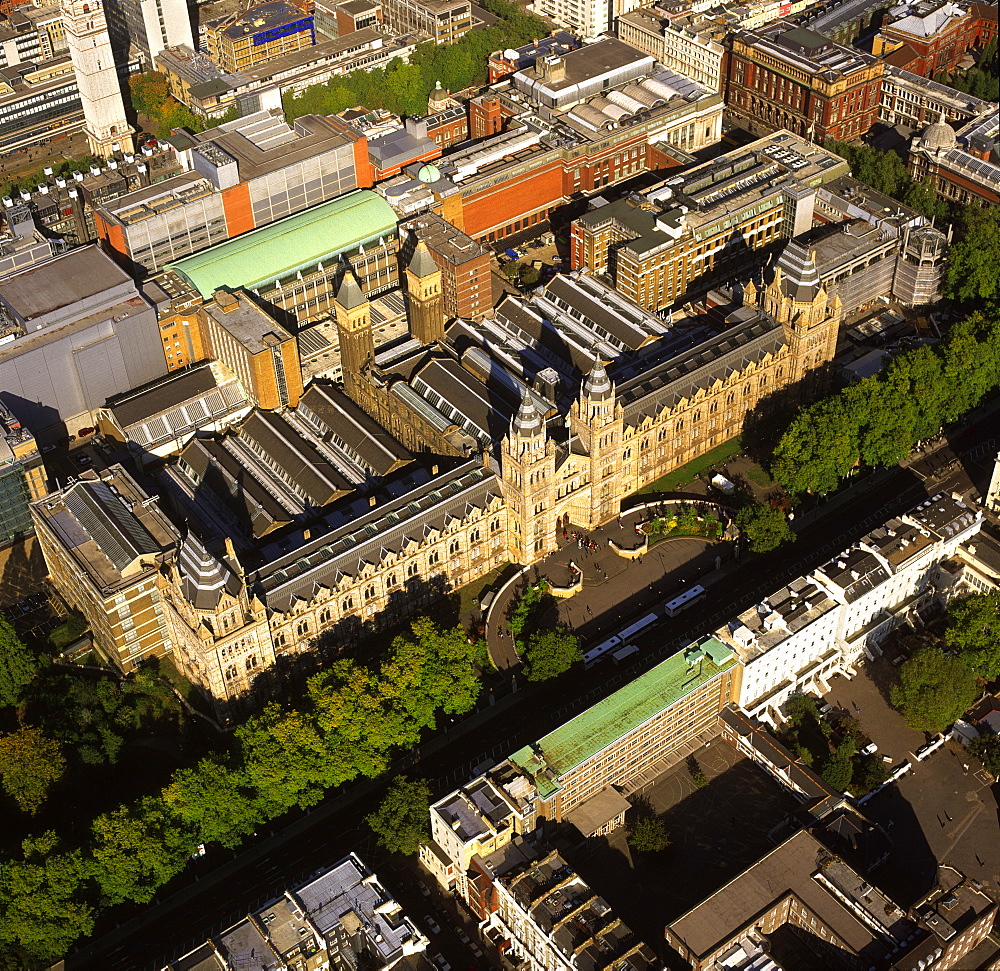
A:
x: 377, y: 533
x: 344, y: 426
x: 752, y: 336
x: 204, y: 577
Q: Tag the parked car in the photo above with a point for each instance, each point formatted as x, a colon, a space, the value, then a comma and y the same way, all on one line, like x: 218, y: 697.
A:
x: 433, y: 925
x: 870, y: 749
x: 441, y: 962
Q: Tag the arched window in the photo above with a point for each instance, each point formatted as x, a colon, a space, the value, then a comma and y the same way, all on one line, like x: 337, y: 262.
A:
x: 413, y: 569
x: 347, y: 605
x: 370, y: 592
x: 454, y: 547
x: 434, y: 557
x: 303, y: 628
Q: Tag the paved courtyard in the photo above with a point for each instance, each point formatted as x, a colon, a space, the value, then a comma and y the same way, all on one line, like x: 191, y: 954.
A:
x: 715, y: 833
x: 943, y: 812
x: 614, y: 588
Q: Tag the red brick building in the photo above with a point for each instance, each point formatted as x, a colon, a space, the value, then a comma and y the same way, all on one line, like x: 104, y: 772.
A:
x: 466, y: 282
x: 777, y: 77
x: 935, y: 35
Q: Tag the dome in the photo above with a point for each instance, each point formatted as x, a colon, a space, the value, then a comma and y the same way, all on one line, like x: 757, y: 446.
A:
x: 940, y: 135
x: 428, y: 172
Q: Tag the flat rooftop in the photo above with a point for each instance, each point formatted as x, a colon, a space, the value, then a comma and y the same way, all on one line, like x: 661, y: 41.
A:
x: 790, y: 869
x: 613, y: 718
x: 250, y: 324
x: 61, y: 281
x: 264, y: 16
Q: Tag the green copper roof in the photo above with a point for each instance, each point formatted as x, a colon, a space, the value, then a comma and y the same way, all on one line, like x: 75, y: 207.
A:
x: 598, y: 727
x: 295, y: 243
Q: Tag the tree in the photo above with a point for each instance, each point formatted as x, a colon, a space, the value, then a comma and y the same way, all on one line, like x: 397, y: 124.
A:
x: 869, y: 774
x: 530, y: 275
x: 838, y: 770
x: 934, y: 690
x: 764, y: 527
x: 527, y: 611
x: 819, y: 447
x: 986, y: 748
x: 974, y: 628
x: 284, y: 758
x: 401, y: 823
x: 44, y: 905
x: 149, y: 92
x: 801, y: 708
x: 923, y: 197
x: 649, y: 835
x: 213, y: 800
x: 971, y: 276
x: 551, y: 652
x: 17, y: 665
x: 138, y: 848
x: 30, y: 764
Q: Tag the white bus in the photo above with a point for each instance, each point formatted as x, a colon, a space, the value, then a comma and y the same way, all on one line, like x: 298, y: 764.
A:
x: 639, y: 625
x: 684, y: 600
x: 596, y: 653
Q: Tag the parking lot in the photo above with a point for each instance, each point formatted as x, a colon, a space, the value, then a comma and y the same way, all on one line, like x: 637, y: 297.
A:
x: 942, y: 812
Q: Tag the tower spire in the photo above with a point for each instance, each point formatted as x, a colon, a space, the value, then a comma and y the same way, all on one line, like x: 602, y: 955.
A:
x: 104, y: 121
x: 598, y: 386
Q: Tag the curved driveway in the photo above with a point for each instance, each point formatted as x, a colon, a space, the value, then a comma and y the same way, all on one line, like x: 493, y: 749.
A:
x: 614, y: 589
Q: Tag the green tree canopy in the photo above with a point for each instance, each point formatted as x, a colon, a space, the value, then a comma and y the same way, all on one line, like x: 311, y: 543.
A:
x: 974, y: 628
x: 137, y: 848
x: 986, y: 748
x: 764, y: 527
x: 404, y: 88
x: 284, y: 759
x: 30, y: 764
x: 934, y: 690
x: 214, y: 802
x: 971, y: 276
x: 551, y: 652
x: 528, y: 610
x: 17, y: 665
x: 44, y: 901
x: 401, y: 824
x: 649, y: 835
x: 838, y: 770
x: 801, y: 708
x: 877, y: 420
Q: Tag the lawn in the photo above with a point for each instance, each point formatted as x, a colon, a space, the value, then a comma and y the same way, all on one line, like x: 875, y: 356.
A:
x: 757, y: 475
x: 67, y: 632
x: 679, y: 477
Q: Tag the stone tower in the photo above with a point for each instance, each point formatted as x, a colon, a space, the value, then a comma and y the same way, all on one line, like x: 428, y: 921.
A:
x: 528, y: 471
x: 96, y: 77
x: 596, y: 419
x: 796, y: 299
x: 354, y: 331
x: 992, y: 501
x: 423, y: 285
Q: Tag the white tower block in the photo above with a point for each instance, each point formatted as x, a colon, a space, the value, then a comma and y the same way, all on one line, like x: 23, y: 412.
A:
x: 96, y: 77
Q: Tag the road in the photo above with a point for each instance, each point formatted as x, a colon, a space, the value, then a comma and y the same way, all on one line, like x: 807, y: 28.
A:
x: 223, y: 890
